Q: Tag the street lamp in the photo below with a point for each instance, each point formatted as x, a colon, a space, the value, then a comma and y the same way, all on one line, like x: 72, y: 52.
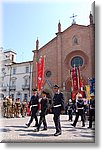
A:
x: 9, y: 65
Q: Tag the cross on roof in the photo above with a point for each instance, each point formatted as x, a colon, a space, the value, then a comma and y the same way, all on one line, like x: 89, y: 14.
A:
x: 73, y: 16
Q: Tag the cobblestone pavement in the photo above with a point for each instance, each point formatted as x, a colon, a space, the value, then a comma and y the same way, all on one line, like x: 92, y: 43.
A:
x: 14, y: 130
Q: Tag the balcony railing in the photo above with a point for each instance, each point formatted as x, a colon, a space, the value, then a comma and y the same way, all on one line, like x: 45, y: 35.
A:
x: 25, y: 87
x: 13, y: 88
x: 3, y: 88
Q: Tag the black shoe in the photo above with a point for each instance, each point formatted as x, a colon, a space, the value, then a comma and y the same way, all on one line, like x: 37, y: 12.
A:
x: 83, y: 125
x: 27, y: 125
x: 73, y: 125
x: 36, y: 130
x: 44, y: 129
x: 57, y: 134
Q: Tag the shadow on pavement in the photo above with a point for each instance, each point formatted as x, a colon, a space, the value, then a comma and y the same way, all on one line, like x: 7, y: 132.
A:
x: 16, y: 126
x: 4, y: 130
x: 37, y: 135
x: 88, y: 136
x: 22, y: 130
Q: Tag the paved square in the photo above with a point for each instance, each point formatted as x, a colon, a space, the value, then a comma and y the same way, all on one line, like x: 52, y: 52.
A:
x: 14, y: 130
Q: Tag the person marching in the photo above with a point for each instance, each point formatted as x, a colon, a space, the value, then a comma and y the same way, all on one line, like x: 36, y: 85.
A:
x: 9, y: 107
x: 44, y: 106
x: 33, y: 105
x: 13, y: 108
x: 70, y: 108
x: 79, y: 111
x: 24, y: 108
x: 5, y: 107
x: 58, y: 107
x: 91, y: 110
x: 18, y: 107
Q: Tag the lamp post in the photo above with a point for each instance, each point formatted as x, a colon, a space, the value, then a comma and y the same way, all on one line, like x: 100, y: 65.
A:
x: 30, y: 80
x: 10, y: 66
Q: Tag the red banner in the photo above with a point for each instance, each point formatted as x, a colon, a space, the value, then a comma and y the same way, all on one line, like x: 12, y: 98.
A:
x: 73, y: 95
x: 40, y: 73
x: 80, y: 81
x: 78, y: 76
x: 74, y: 79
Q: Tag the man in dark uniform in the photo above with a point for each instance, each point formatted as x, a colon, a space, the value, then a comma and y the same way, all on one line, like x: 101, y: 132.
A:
x: 33, y: 105
x: 58, y: 106
x: 44, y: 106
x: 91, y: 110
x: 79, y: 111
x: 70, y: 108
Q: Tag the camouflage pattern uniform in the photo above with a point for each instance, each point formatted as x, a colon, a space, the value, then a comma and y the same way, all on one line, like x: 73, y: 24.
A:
x: 18, y: 107
x: 24, y: 108
x: 5, y: 107
x: 13, y: 109
x: 9, y: 107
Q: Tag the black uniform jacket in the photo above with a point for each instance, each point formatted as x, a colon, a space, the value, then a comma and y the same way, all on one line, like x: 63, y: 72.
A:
x: 34, y: 100
x: 58, y: 99
x: 92, y: 104
x: 70, y: 105
x: 44, y: 106
x: 80, y: 103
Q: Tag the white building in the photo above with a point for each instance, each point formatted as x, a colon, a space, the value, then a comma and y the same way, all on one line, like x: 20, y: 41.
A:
x: 15, y: 78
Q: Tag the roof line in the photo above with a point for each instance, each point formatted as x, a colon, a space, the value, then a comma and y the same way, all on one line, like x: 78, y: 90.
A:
x: 62, y: 33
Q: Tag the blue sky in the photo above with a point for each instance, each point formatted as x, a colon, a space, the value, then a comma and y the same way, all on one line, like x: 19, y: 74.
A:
x: 23, y: 22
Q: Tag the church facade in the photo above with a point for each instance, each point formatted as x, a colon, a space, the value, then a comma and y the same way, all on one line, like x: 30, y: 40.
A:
x: 73, y: 46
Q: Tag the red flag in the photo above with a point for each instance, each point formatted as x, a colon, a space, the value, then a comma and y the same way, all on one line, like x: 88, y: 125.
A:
x: 78, y: 75
x: 81, y: 85
x: 73, y: 95
x: 40, y: 73
x: 74, y: 79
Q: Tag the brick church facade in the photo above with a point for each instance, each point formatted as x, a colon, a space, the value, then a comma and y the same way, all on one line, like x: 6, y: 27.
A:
x: 73, y: 46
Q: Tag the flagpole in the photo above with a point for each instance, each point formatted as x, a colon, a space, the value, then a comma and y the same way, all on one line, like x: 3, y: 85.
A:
x: 78, y: 76
x: 43, y: 72
x: 36, y: 75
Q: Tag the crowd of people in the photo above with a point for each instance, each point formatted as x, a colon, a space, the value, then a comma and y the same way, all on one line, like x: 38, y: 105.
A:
x: 39, y: 104
x: 82, y: 107
x: 13, y: 108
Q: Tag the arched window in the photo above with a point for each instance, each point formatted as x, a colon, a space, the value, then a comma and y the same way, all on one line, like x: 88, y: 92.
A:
x: 77, y: 61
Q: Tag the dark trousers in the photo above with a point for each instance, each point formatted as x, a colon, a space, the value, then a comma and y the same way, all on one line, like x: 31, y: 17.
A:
x: 56, y: 118
x: 33, y: 116
x: 91, y: 115
x: 70, y: 114
x: 42, y: 120
x: 79, y: 113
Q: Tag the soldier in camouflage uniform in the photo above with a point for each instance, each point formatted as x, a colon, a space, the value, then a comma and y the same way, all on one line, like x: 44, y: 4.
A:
x: 18, y: 107
x: 13, y: 109
x: 5, y: 107
x: 24, y: 108
x: 9, y: 107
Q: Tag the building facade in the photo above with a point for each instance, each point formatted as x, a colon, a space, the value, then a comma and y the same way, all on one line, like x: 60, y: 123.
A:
x: 15, y: 78
x: 73, y: 46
